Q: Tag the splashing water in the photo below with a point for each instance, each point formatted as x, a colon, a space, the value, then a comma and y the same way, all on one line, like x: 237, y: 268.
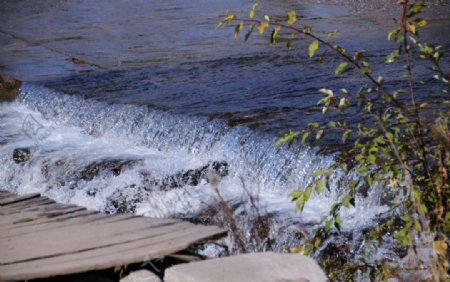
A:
x: 128, y: 158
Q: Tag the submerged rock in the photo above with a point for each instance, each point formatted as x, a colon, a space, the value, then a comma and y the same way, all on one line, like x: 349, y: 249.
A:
x: 21, y: 155
x: 124, y: 201
x: 113, y: 166
x: 9, y: 88
x: 191, y: 177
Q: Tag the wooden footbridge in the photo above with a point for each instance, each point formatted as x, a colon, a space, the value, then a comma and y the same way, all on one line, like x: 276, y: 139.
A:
x: 40, y: 238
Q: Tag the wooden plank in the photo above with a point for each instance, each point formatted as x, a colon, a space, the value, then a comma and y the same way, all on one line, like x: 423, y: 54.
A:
x: 43, y: 209
x: 43, y: 224
x: 4, y: 194
x: 78, y: 237
x: 87, y: 220
x: 136, y: 252
x: 47, y: 210
x: 13, y: 198
x: 40, y: 238
x: 31, y: 204
x: 14, y: 220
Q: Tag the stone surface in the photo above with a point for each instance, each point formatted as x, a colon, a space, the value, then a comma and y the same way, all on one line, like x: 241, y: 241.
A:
x: 141, y: 276
x: 249, y: 267
x: 9, y: 88
x: 21, y: 155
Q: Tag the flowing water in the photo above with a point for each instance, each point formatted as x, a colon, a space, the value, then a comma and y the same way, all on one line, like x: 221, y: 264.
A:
x: 128, y: 158
x: 163, y: 129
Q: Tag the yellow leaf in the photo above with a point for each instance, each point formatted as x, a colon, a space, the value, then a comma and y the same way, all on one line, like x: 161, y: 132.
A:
x: 440, y: 247
x: 411, y: 27
x: 291, y: 17
x: 274, y: 34
x: 261, y: 26
x: 229, y: 18
x: 420, y: 22
x: 238, y: 29
x: 252, y: 11
x: 313, y: 48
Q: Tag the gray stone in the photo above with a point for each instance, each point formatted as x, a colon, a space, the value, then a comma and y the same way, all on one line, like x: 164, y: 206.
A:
x: 9, y: 88
x: 141, y: 276
x: 249, y: 267
x: 21, y: 155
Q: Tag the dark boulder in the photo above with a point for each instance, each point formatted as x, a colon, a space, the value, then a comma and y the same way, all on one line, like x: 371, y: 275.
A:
x: 113, y: 166
x: 21, y: 155
x: 9, y: 88
x: 191, y: 177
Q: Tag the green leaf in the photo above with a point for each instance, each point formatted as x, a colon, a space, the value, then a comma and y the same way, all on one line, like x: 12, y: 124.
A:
x: 328, y: 225
x: 313, y: 48
x: 291, y: 17
x: 362, y: 169
x: 357, y: 56
x: 319, y: 134
x: 371, y: 158
x: 332, y: 33
x: 317, y: 172
x: 347, y: 201
x: 398, y: 37
x: 415, y: 9
x: 288, y: 137
x: 346, y: 135
x: 296, y: 194
x: 313, y: 124
x: 341, y: 68
x: 420, y: 22
x: 393, y: 33
x: 307, y: 192
x: 319, y: 186
x: 338, y: 222
x: 392, y: 57
x: 305, y: 137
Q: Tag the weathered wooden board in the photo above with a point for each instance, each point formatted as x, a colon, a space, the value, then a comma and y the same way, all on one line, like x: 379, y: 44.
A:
x: 40, y: 238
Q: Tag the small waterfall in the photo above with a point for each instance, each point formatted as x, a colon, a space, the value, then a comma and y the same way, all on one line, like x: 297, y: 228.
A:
x: 129, y: 158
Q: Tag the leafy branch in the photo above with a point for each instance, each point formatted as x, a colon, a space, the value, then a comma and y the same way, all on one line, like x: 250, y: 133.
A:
x: 404, y: 148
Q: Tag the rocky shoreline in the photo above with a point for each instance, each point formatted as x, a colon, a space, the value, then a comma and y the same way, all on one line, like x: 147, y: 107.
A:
x: 361, y: 6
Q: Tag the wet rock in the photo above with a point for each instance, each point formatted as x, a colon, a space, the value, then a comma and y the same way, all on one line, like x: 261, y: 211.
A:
x: 9, y: 88
x: 141, y: 275
x: 249, y: 267
x: 21, y: 155
x: 94, y: 169
x: 191, y: 177
x: 124, y: 201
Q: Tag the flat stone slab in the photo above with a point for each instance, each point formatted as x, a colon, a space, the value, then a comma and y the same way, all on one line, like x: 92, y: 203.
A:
x: 249, y: 267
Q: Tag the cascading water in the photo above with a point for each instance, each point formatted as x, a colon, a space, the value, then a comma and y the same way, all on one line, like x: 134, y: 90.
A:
x: 128, y: 158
